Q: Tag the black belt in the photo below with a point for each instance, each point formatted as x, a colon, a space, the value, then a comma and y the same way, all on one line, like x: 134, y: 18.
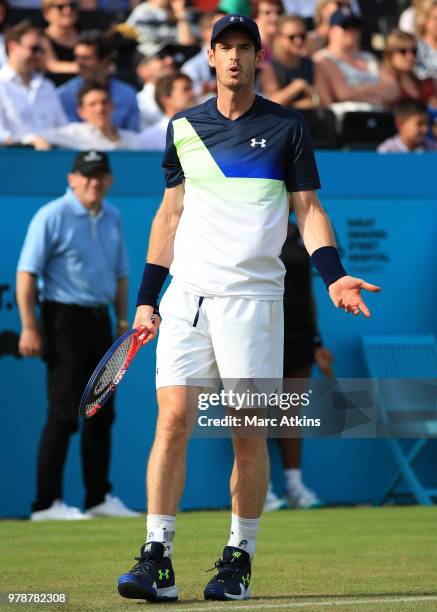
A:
x: 98, y: 309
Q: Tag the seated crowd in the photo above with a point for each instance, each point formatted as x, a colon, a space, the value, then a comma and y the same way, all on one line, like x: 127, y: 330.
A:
x: 63, y: 86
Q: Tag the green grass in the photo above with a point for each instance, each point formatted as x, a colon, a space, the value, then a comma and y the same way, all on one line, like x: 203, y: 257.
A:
x: 302, y: 557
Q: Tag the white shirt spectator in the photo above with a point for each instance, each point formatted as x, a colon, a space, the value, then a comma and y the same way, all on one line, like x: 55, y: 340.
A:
x: 83, y: 136
x: 153, y: 138
x: 27, y: 108
x: 149, y: 109
x: 396, y: 145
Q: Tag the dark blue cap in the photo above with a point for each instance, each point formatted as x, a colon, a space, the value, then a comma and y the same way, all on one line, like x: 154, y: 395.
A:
x: 345, y: 19
x: 237, y: 21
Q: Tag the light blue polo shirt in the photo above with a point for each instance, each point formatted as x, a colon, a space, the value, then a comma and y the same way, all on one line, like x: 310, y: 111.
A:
x: 78, y: 257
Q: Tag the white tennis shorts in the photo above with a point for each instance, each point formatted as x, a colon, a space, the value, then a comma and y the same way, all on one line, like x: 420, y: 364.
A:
x: 218, y: 338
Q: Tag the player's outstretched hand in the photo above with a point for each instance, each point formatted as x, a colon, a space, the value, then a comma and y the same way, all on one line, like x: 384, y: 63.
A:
x: 345, y: 293
x: 143, y: 318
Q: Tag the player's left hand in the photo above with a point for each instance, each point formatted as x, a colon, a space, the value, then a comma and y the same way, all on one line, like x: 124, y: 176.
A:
x: 345, y: 293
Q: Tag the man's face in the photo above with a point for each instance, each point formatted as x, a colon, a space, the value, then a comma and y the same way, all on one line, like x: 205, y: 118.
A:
x: 96, y: 108
x: 268, y: 16
x: 90, y: 189
x: 235, y: 59
x: 155, y: 68
x: 27, y: 54
x: 182, y: 95
x: 414, y: 129
x: 87, y: 60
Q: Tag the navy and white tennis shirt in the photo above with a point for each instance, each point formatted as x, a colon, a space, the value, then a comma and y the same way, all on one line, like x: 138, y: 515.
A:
x: 237, y: 174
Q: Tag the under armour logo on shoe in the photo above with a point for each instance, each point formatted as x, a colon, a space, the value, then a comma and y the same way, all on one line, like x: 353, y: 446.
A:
x: 236, y: 554
x: 234, y: 18
x: 246, y: 580
x: 164, y: 574
x: 254, y: 142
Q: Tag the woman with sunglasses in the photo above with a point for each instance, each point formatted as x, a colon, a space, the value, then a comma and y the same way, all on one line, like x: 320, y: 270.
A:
x: 60, y: 38
x: 399, y: 60
x: 289, y: 78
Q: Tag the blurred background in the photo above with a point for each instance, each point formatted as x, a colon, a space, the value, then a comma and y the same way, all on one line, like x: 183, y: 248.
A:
x: 364, y: 76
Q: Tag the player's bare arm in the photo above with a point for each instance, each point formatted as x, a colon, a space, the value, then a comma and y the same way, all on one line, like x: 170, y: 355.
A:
x: 316, y: 232
x: 159, y: 258
x: 30, y: 339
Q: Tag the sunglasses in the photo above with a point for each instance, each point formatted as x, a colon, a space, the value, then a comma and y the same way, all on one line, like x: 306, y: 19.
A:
x: 34, y: 49
x: 294, y: 37
x: 61, y: 7
x: 405, y: 50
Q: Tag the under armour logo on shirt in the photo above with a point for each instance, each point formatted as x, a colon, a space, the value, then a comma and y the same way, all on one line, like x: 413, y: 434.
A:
x: 233, y: 18
x: 254, y: 142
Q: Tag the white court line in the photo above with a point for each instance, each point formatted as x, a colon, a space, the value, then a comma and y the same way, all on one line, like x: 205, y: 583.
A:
x: 314, y: 604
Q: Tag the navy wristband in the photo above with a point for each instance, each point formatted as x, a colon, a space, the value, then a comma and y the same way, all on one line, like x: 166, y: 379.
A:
x: 328, y: 264
x: 153, y: 279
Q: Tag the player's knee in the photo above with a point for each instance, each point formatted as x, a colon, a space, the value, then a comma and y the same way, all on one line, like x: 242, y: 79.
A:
x: 172, y: 427
x: 250, y: 450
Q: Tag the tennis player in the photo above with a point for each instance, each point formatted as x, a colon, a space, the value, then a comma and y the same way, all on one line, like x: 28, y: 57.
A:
x: 230, y: 166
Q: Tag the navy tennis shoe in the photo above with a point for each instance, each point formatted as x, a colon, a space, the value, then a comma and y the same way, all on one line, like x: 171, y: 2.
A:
x: 233, y: 576
x: 152, y: 578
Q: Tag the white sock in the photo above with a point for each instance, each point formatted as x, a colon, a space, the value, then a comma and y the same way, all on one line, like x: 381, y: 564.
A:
x: 243, y: 533
x: 161, y: 528
x: 293, y: 479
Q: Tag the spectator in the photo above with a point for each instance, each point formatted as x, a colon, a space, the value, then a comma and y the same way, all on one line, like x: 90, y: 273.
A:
x: 96, y: 130
x: 4, y: 13
x: 28, y: 101
x: 174, y: 93
x: 426, y: 23
x: 399, y: 58
x: 289, y: 78
x: 198, y: 68
x: 60, y: 38
x: 318, y: 38
x: 267, y: 14
x: 92, y: 55
x: 82, y: 271
x: 161, y: 21
x: 412, y: 122
x: 347, y: 74
x: 150, y: 70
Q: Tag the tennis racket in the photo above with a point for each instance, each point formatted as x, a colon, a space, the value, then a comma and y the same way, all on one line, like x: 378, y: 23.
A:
x: 110, y: 371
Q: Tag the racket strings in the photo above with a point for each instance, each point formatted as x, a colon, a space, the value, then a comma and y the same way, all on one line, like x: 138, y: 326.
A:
x: 111, y: 375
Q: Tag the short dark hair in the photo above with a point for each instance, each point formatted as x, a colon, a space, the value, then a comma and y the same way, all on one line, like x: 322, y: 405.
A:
x: 91, y: 86
x: 408, y: 107
x: 16, y: 33
x: 164, y: 86
x: 94, y: 38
